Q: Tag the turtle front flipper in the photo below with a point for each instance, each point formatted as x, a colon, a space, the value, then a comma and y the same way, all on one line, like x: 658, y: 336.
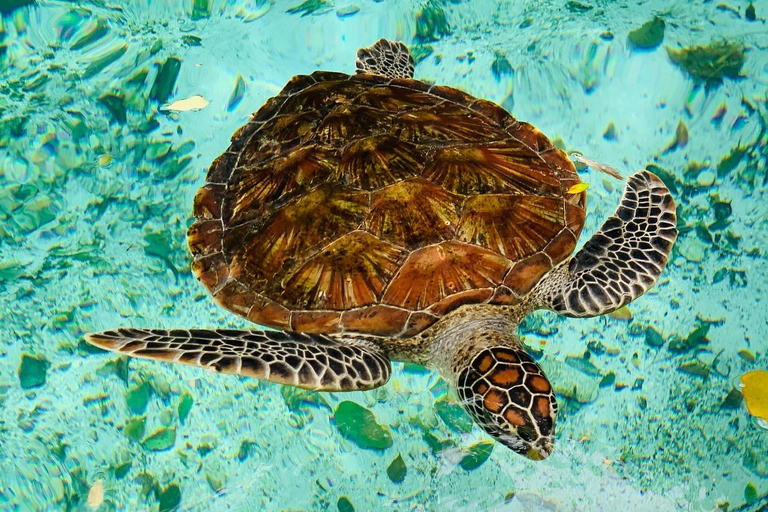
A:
x: 622, y: 260
x: 309, y: 361
x: 385, y: 58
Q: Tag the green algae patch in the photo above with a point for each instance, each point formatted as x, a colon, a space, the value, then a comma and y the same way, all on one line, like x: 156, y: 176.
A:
x: 501, y: 66
x: 169, y: 498
x: 358, y: 424
x: 436, y: 444
x: 185, y: 404
x: 344, y: 505
x: 711, y: 63
x: 32, y: 371
x: 649, y: 35
x: 454, y: 416
x: 160, y: 440
x: 137, y: 398
x: 134, y: 429
x: 431, y: 23
x: 397, y: 469
x: 122, y: 469
x: 165, y: 81
x: 478, y: 453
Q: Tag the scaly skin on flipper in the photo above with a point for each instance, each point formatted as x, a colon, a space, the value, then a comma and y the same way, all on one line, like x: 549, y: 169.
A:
x: 309, y: 361
x: 622, y: 260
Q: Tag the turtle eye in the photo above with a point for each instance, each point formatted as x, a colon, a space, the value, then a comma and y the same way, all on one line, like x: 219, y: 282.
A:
x: 507, y: 394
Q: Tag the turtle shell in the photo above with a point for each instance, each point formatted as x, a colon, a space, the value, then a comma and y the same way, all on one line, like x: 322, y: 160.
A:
x: 365, y: 204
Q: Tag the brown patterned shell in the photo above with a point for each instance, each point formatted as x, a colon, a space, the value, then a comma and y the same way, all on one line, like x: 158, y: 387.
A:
x: 364, y: 204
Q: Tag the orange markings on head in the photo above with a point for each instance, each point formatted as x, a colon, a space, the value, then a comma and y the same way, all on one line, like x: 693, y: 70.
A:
x: 542, y: 405
x: 485, y: 363
x: 504, y: 355
x: 505, y: 377
x: 514, y: 417
x: 493, y: 401
x: 482, y: 388
x: 538, y: 384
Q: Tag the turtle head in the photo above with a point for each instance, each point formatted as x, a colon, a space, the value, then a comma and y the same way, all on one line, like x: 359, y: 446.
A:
x: 507, y: 394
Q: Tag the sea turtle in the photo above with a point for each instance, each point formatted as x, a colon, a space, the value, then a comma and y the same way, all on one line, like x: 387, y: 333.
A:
x: 373, y: 218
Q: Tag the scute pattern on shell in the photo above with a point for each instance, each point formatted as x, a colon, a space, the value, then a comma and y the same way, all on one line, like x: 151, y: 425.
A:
x: 367, y: 204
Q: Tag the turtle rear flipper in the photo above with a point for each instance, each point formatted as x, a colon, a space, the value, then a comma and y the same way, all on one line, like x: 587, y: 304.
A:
x: 622, y: 260
x: 385, y: 58
x: 309, y: 361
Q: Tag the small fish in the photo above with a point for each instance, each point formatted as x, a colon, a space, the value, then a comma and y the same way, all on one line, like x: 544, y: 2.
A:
x: 607, y: 169
x: 196, y: 102
x: 105, y: 160
x: 578, y: 188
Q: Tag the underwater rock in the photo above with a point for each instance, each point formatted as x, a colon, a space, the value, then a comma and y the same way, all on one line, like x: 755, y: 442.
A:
x: 696, y: 368
x: 693, y: 250
x: 397, y: 469
x: 358, y: 424
x: 477, y: 454
x: 32, y: 371
x: 574, y: 6
x: 649, y: 35
x: 349, y: 10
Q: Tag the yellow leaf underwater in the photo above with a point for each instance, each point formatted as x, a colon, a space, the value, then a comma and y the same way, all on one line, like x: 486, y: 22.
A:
x: 755, y: 393
x: 192, y: 103
x: 578, y: 188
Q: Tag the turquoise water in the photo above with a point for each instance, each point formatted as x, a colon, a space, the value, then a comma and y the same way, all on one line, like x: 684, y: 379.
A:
x: 96, y: 186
